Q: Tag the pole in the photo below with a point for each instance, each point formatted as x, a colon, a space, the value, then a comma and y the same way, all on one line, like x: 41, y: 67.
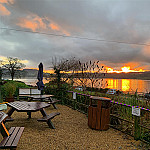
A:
x: 137, y: 129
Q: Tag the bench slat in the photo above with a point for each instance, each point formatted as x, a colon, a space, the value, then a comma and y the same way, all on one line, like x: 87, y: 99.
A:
x: 50, y: 116
x: 4, y: 141
x: 12, y: 140
x: 15, y: 142
x: 12, y: 137
x: 3, y: 116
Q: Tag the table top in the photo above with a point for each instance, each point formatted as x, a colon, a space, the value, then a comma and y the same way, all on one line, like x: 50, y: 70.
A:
x: 24, y: 106
x: 36, y: 96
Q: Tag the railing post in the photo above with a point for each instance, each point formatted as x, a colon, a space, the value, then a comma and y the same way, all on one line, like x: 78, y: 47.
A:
x: 137, y: 129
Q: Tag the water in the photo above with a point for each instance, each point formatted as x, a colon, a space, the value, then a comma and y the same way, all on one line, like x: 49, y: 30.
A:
x: 119, y: 84
x: 30, y: 81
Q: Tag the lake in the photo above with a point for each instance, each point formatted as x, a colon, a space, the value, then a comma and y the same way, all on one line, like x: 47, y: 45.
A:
x: 119, y: 84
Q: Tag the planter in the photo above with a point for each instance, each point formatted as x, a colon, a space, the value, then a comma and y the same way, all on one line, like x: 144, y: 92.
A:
x: 9, y: 99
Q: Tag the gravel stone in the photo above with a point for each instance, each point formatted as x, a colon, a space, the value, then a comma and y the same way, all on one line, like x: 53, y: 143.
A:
x: 71, y: 133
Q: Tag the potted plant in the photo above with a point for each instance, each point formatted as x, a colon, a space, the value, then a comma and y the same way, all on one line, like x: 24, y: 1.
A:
x: 9, y: 90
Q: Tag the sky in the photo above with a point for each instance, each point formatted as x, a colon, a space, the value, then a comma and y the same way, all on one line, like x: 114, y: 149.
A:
x: 116, y: 32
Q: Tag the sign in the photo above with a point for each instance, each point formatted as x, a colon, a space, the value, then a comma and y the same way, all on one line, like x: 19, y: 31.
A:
x: 74, y: 95
x: 3, y: 106
x: 135, y: 111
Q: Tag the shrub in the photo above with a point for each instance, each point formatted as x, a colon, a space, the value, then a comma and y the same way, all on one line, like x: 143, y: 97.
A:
x: 9, y: 89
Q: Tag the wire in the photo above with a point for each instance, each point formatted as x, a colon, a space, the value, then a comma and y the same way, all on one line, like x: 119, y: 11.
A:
x: 76, y: 37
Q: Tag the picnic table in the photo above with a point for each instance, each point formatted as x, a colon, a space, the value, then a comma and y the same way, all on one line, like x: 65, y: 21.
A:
x: 41, y: 98
x: 23, y: 106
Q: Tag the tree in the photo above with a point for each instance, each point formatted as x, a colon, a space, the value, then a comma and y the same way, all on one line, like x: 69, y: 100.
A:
x: 91, y: 73
x: 12, y: 65
x: 64, y: 69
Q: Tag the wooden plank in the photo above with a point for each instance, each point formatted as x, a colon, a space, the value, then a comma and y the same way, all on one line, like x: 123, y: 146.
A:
x: 4, y: 141
x: 98, y: 122
x: 12, y: 137
x: 107, y: 119
x: 17, y: 138
x: 48, y: 117
x: 99, y: 104
x: 23, y: 91
x: 90, y: 116
x: 102, y: 119
x: 94, y: 113
x: 3, y: 116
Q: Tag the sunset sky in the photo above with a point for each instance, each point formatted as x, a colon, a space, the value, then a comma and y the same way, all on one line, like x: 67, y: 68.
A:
x: 116, y: 32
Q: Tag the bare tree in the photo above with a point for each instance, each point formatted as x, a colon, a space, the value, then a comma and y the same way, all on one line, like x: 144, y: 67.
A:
x: 12, y: 65
x: 91, y: 74
x: 65, y: 68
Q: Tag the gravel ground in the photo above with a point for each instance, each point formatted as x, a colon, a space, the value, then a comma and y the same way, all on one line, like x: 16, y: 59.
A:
x: 71, y: 133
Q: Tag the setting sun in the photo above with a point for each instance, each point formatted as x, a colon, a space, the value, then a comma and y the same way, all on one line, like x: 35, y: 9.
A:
x: 124, y: 69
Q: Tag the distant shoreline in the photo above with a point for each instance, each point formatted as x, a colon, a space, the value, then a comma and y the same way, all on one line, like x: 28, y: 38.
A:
x: 126, y: 78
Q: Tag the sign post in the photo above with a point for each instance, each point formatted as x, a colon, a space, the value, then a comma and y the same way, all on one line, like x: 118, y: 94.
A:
x: 137, y: 129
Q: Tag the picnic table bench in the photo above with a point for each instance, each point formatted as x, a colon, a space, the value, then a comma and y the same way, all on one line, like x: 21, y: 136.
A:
x: 35, y: 94
x: 11, y: 137
x: 33, y: 107
x: 47, y: 118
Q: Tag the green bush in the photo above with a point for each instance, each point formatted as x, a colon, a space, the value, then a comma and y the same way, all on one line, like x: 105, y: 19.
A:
x: 11, y: 88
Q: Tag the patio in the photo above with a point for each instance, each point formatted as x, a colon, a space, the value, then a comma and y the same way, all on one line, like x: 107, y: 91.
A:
x: 72, y: 132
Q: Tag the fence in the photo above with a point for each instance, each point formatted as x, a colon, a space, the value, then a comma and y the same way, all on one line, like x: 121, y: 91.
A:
x: 121, y: 117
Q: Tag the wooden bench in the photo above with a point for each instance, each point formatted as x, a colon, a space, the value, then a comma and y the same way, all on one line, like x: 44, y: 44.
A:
x: 35, y: 94
x: 11, y: 137
x: 48, y: 118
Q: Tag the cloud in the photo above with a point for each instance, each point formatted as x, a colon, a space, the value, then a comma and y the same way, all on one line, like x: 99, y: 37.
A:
x: 4, y: 11
x: 7, y: 1
x: 54, y: 26
x: 105, y: 20
x: 32, y: 22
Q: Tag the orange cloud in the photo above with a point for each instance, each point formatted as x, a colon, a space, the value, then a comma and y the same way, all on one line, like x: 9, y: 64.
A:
x: 7, y: 1
x: 56, y: 27
x: 24, y: 23
x: 32, y: 22
x: 4, y: 11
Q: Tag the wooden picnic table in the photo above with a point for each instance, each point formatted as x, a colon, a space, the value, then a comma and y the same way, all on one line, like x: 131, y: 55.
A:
x: 23, y: 106
x: 40, y: 97
x: 28, y: 107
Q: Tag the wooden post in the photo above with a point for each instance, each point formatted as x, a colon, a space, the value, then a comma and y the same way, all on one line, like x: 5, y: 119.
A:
x: 137, y: 129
